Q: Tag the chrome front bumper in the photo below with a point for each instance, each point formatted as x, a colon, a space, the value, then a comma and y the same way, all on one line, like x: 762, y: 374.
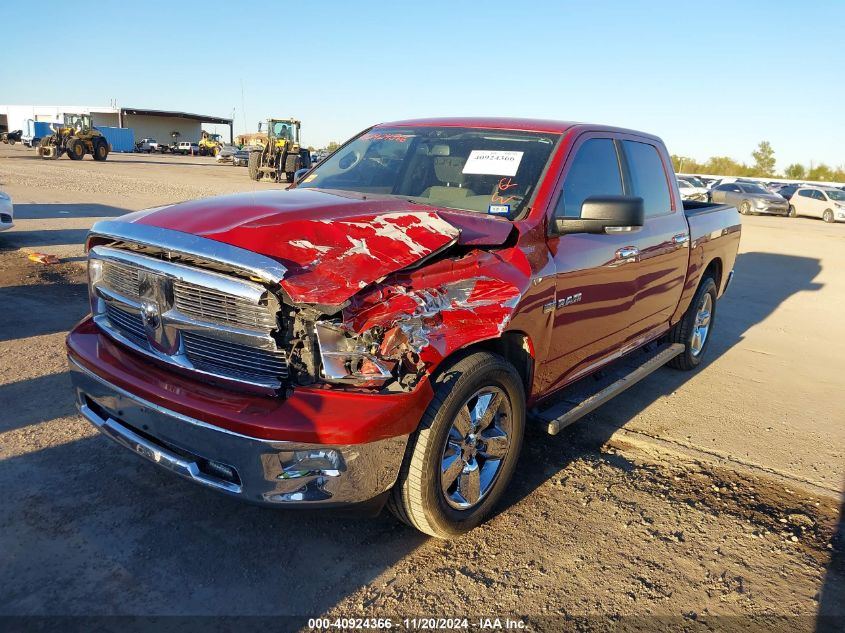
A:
x: 268, y: 472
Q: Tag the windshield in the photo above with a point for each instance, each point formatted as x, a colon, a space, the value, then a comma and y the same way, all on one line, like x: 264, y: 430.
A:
x: 752, y: 189
x: 695, y: 182
x: 483, y: 170
x: 836, y: 194
x: 282, y: 130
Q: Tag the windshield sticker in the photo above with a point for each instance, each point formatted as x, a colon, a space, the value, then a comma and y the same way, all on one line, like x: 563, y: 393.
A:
x: 383, y: 136
x: 493, y: 162
x: 499, y: 209
x: 310, y: 178
x: 503, y: 185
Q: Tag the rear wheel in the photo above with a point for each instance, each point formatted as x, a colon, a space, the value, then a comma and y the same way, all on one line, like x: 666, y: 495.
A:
x: 101, y: 150
x: 827, y: 216
x: 462, y: 457
x: 693, y: 330
x: 76, y: 149
x: 254, y: 163
x: 745, y: 207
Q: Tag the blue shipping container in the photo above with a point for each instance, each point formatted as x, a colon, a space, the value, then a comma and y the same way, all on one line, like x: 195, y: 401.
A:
x: 121, y: 139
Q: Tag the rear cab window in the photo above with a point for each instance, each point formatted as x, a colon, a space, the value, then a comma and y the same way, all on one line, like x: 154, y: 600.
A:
x: 648, y: 177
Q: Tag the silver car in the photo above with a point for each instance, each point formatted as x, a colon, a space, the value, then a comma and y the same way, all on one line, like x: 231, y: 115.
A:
x: 749, y: 197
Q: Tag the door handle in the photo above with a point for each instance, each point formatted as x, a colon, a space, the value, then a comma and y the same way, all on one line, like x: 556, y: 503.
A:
x: 627, y: 253
x: 680, y: 239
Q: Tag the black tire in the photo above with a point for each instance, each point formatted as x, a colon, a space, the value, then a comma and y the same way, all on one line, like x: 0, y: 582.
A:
x: 76, y: 149
x: 417, y: 498
x: 254, y: 163
x: 101, y: 150
x: 745, y: 207
x: 827, y: 216
x: 11, y: 141
x: 289, y: 176
x: 684, y: 330
x: 792, y: 212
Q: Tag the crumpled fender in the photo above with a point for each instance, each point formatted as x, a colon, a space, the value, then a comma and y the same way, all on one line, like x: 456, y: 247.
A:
x: 443, y: 307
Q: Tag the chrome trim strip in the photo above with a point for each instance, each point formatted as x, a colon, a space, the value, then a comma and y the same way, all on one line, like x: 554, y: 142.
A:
x: 162, y: 410
x: 255, y: 264
x: 156, y: 454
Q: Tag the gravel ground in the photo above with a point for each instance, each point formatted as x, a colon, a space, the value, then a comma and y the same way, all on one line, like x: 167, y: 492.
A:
x: 696, y: 501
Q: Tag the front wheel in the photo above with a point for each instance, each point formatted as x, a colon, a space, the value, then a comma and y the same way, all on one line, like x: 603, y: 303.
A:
x: 462, y: 457
x: 76, y: 149
x: 792, y: 212
x: 827, y: 216
x: 745, y: 207
x: 253, y: 164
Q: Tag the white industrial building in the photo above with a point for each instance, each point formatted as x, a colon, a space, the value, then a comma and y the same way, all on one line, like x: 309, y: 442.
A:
x: 157, y: 124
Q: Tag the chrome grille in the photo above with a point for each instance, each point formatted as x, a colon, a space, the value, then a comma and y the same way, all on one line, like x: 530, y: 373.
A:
x: 193, y: 318
x: 121, y: 279
x: 129, y: 324
x: 199, y: 302
x: 230, y: 358
x: 212, y: 305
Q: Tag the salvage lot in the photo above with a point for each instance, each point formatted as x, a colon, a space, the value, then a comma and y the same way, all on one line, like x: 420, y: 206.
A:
x: 691, y: 496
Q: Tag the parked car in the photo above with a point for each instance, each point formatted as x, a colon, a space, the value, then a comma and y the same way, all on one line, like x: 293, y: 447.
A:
x: 749, y: 198
x: 7, y: 212
x: 690, y: 191
x: 787, y: 191
x: 186, y: 147
x: 695, y: 181
x: 149, y: 145
x: 241, y: 158
x: 380, y: 329
x: 225, y: 153
x: 826, y: 203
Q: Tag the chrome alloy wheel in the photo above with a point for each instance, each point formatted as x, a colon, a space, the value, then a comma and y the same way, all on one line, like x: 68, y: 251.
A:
x: 476, y: 447
x: 702, y: 324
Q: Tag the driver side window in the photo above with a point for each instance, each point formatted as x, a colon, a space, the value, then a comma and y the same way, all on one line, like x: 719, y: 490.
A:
x: 593, y: 172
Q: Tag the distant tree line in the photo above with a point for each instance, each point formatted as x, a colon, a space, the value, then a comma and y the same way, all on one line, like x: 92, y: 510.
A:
x: 763, y: 167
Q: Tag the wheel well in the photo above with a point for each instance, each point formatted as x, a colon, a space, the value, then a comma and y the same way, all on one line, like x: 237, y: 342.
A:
x: 514, y: 347
x: 714, y: 269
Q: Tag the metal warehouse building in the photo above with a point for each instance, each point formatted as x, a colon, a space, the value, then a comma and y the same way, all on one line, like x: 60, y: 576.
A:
x: 160, y: 125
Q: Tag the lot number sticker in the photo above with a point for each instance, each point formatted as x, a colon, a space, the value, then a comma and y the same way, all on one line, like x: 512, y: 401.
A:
x: 493, y: 162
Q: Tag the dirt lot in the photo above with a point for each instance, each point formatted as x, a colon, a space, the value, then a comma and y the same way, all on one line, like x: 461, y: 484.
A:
x: 691, y: 500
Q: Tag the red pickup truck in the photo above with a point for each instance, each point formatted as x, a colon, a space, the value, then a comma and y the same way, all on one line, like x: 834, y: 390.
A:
x: 384, y: 329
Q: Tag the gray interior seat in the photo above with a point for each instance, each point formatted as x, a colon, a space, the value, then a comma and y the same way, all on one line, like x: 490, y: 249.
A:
x: 449, y: 171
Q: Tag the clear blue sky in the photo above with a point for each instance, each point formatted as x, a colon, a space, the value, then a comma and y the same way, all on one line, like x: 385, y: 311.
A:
x: 709, y: 77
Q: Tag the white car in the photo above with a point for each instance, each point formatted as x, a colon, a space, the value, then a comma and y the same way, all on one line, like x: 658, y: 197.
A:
x: 691, y: 192
x: 7, y: 212
x: 826, y: 203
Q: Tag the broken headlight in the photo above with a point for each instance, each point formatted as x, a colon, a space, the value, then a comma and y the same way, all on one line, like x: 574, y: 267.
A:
x: 350, y: 359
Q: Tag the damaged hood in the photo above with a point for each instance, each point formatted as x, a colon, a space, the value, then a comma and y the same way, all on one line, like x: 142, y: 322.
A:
x: 332, y: 244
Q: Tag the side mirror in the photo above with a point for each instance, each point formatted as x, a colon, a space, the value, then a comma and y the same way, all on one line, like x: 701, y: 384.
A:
x: 605, y: 214
x: 299, y: 173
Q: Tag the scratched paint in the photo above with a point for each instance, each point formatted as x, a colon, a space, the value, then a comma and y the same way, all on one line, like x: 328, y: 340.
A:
x: 331, y: 260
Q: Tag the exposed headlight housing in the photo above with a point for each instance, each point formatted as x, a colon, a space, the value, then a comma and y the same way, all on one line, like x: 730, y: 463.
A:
x: 349, y: 359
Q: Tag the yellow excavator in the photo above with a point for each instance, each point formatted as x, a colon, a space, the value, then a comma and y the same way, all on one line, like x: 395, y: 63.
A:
x: 75, y: 137
x: 210, y: 144
x: 282, y: 155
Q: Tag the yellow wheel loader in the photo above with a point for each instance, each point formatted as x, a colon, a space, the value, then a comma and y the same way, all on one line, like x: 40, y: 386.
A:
x: 210, y: 144
x: 76, y: 137
x: 282, y: 155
